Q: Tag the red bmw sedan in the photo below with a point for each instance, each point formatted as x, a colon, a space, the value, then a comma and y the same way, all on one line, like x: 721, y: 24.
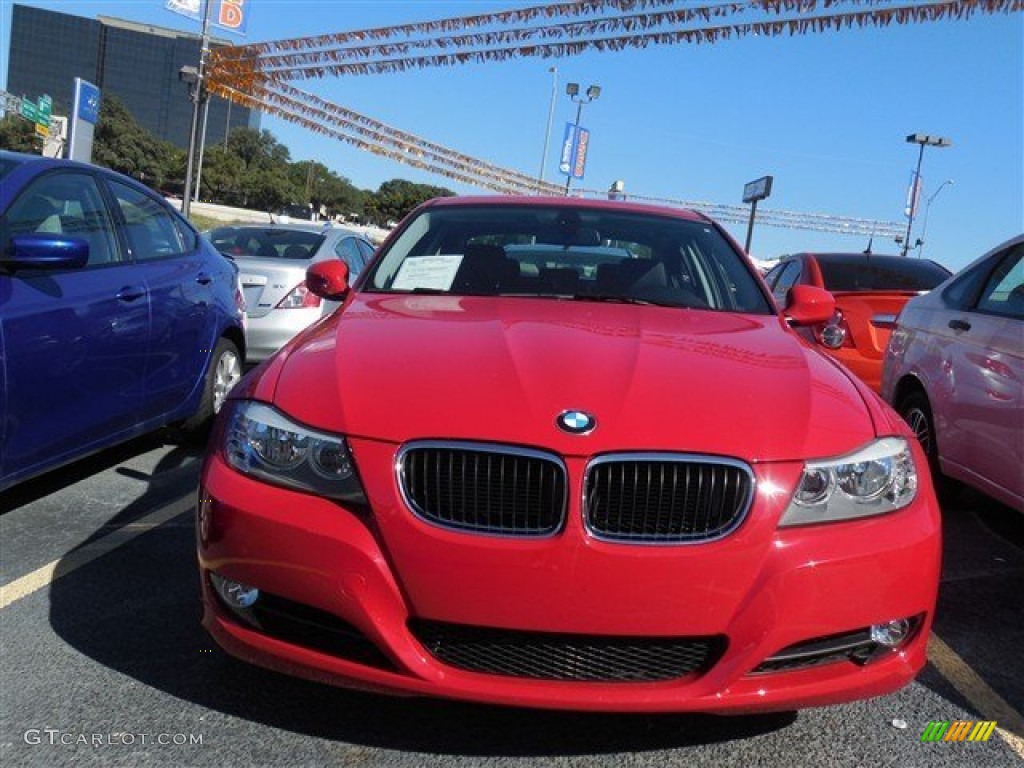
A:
x: 563, y: 453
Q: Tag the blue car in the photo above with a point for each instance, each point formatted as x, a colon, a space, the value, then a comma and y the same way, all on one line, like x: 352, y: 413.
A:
x: 116, y: 316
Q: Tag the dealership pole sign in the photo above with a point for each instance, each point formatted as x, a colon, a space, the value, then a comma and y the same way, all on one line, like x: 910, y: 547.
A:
x: 575, y: 143
x: 758, y: 189
x: 230, y: 14
x: 85, y: 113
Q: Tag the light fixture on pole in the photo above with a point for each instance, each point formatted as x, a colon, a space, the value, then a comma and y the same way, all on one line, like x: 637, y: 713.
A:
x: 195, y: 77
x: 573, y: 91
x: 551, y: 116
x: 925, y: 141
x: 924, y: 219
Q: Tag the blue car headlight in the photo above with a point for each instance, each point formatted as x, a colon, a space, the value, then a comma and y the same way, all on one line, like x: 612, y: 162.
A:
x: 262, y: 442
x: 878, y: 478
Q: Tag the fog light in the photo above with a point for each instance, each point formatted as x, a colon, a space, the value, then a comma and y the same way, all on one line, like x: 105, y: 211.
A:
x: 892, y: 633
x: 235, y: 594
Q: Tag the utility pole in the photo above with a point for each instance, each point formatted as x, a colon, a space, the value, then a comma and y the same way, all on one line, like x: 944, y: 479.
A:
x: 197, y: 97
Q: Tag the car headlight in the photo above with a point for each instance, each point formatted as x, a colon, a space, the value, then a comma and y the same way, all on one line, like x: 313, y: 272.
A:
x: 879, y: 478
x: 262, y: 442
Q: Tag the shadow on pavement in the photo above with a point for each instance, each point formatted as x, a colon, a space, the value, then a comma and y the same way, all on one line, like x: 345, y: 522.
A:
x: 980, y: 614
x: 136, y: 610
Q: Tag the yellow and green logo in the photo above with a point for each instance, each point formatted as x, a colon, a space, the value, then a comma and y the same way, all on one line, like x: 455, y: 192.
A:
x: 958, y: 730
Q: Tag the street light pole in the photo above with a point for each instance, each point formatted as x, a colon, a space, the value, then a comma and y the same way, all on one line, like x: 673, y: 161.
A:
x: 202, y: 145
x: 197, y: 98
x: 925, y: 141
x: 924, y: 220
x: 573, y: 90
x: 551, y: 116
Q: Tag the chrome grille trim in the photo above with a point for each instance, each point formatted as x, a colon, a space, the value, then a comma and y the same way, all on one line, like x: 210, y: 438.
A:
x: 523, y: 502
x: 667, y: 526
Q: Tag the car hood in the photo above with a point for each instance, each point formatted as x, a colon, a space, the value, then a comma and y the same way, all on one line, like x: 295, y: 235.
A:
x: 398, y: 368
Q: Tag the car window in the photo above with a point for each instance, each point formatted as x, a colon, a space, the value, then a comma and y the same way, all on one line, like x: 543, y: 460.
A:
x: 787, y: 278
x: 1003, y: 294
x: 866, y: 272
x: 366, y: 249
x: 66, y: 204
x: 348, y: 251
x: 189, y: 236
x: 773, y: 274
x: 149, y: 227
x: 559, y: 251
x: 266, y: 243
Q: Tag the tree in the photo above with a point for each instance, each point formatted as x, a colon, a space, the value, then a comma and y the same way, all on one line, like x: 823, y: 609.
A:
x: 323, y: 187
x: 123, y: 145
x: 19, y: 135
x: 395, y: 198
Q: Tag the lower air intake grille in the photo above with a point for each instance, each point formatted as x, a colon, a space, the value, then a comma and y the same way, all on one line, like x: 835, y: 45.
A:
x: 551, y: 656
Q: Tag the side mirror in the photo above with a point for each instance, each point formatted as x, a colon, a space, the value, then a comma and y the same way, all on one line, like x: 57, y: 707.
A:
x: 809, y: 305
x: 328, y: 279
x: 45, y: 251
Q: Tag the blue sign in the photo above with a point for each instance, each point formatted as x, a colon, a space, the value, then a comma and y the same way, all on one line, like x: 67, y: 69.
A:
x: 568, y: 144
x: 573, y: 158
x: 231, y: 15
x: 88, y: 100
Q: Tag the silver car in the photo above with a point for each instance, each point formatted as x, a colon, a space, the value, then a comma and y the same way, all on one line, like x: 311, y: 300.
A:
x: 272, y: 261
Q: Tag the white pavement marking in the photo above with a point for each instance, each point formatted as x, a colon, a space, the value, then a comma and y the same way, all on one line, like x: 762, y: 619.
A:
x: 989, y: 704
x: 49, y: 573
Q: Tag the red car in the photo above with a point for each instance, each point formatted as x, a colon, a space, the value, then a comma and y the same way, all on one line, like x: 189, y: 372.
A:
x: 566, y: 453
x: 869, y: 289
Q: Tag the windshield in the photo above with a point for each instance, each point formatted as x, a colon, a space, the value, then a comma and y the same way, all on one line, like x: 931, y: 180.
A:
x: 266, y: 243
x: 564, y: 252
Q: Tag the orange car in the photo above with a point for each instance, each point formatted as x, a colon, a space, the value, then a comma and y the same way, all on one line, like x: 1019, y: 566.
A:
x: 870, y: 290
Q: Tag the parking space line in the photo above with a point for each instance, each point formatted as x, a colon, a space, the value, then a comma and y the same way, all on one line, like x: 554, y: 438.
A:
x: 62, y: 566
x: 989, y: 704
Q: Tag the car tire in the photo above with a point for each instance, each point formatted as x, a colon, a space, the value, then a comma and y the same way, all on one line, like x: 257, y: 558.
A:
x: 917, y: 412
x: 223, y: 373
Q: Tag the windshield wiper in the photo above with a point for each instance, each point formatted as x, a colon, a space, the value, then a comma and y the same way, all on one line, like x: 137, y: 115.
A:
x: 420, y: 291
x: 613, y: 298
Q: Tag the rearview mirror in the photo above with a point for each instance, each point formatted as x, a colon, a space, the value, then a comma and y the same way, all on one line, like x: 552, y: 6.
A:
x: 328, y: 279
x: 45, y: 251
x: 809, y: 305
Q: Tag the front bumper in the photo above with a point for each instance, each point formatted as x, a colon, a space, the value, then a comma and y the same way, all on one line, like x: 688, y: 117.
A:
x: 800, y: 584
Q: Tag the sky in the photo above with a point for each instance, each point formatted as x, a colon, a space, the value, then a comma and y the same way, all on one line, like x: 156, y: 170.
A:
x: 826, y: 114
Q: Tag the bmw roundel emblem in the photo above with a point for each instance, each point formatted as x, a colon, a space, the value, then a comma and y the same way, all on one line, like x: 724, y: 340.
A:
x: 576, y: 422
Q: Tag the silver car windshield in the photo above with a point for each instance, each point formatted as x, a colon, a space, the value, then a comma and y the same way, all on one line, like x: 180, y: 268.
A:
x: 561, y: 252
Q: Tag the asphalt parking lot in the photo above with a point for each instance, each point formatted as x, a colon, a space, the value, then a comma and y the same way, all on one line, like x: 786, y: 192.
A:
x: 104, y: 661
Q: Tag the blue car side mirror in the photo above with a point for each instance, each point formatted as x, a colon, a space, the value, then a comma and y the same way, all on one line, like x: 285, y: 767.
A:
x: 45, y: 251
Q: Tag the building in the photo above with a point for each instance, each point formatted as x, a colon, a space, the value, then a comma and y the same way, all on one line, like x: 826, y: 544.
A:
x: 137, y: 63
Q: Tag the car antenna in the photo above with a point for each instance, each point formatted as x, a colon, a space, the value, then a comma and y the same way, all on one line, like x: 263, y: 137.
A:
x: 867, y: 251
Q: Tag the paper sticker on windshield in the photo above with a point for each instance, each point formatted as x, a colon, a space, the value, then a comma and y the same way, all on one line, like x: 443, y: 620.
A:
x: 435, y: 273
